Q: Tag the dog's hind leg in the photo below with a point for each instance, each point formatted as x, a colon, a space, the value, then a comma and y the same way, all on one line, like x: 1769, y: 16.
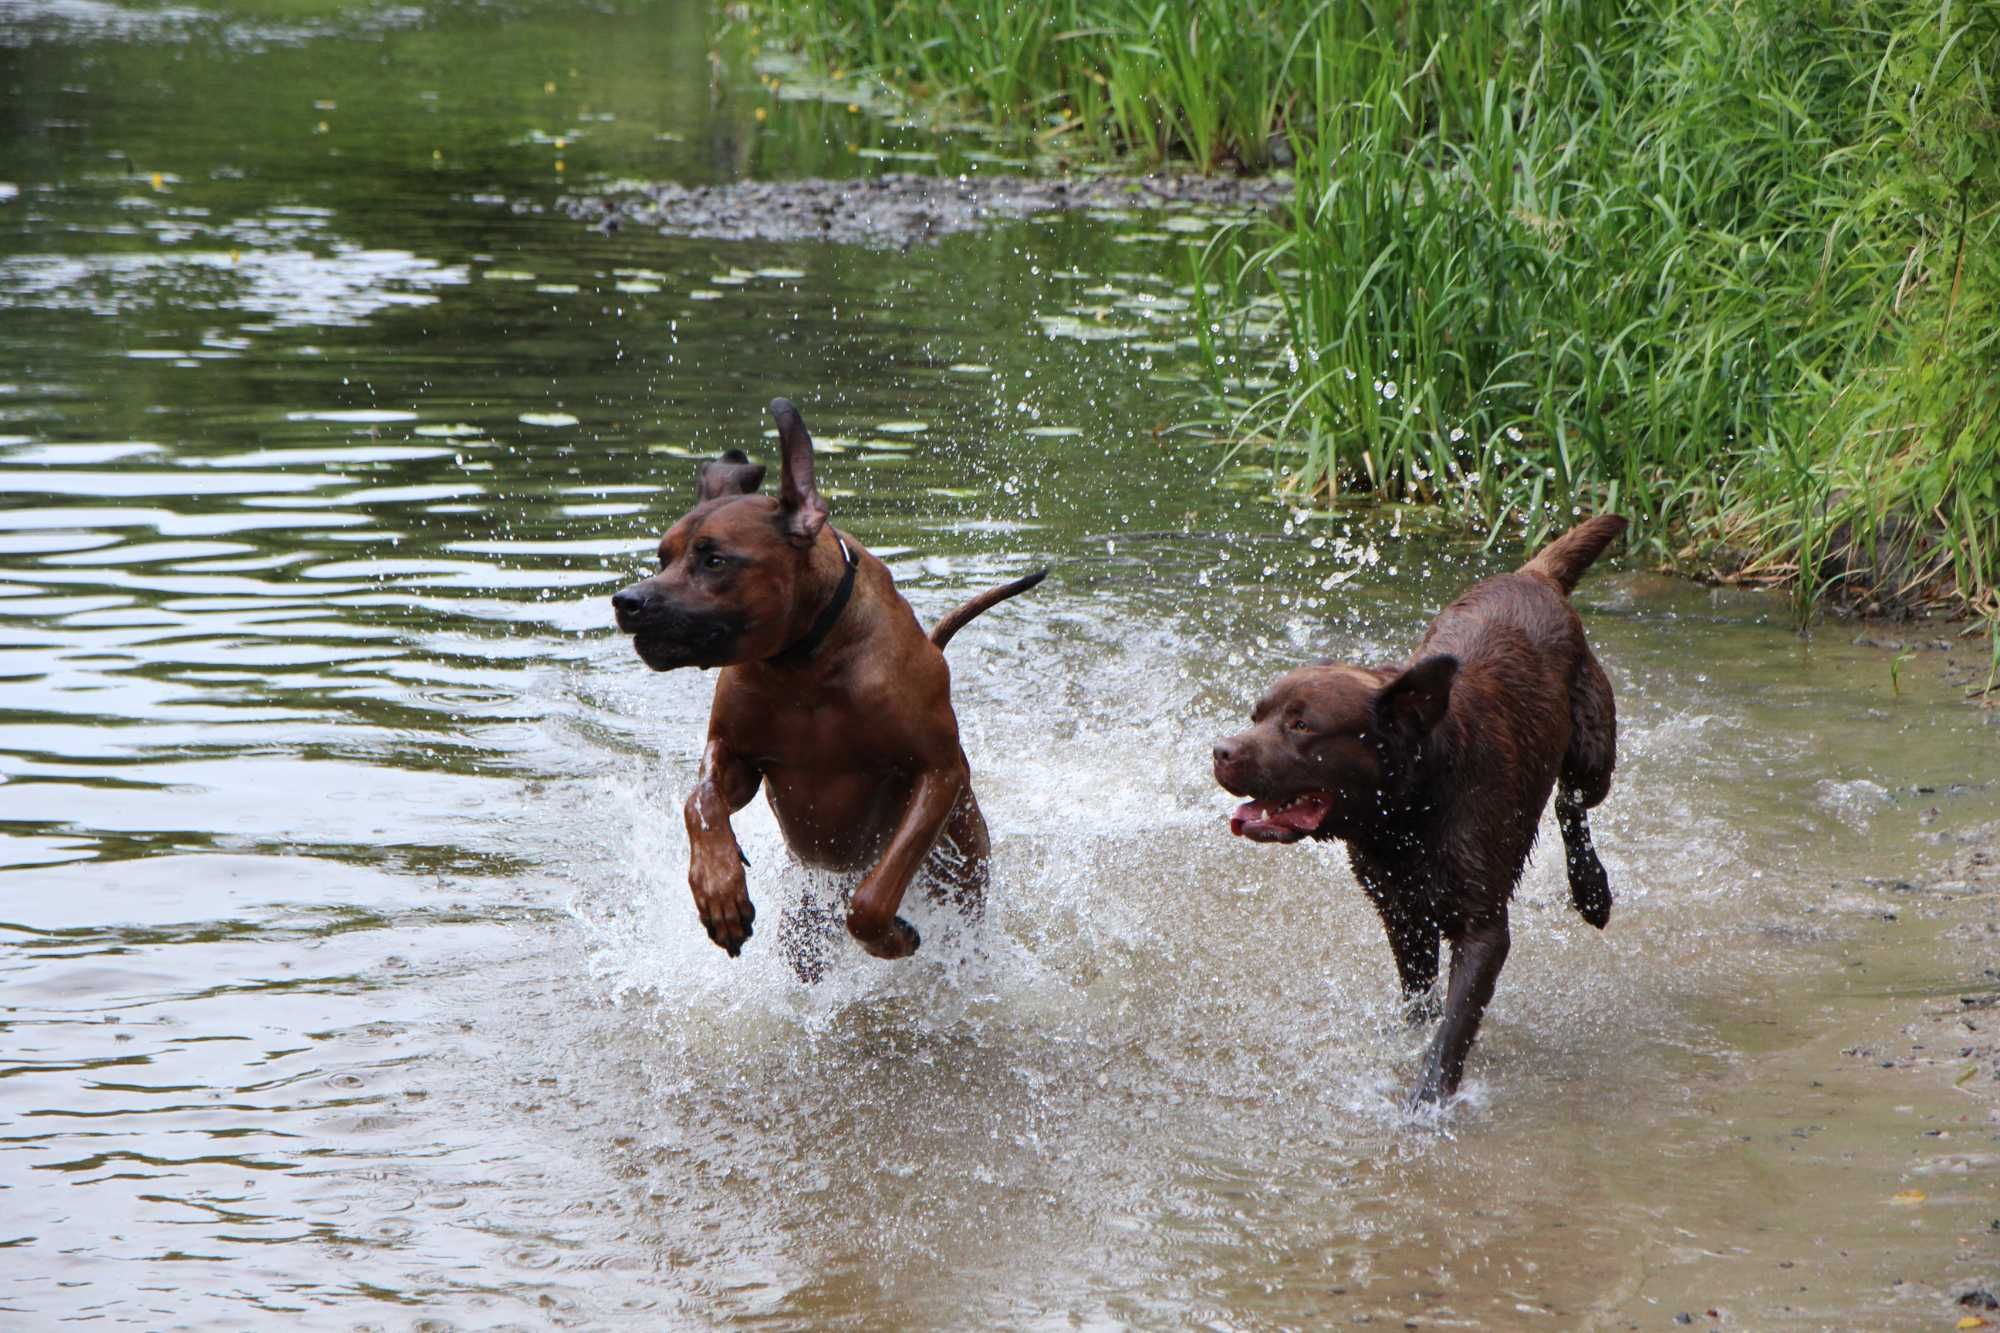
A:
x: 805, y: 935
x: 1586, y: 777
x: 958, y: 869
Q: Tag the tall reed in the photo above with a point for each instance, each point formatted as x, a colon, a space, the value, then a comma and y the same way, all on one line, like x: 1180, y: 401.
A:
x: 1731, y: 267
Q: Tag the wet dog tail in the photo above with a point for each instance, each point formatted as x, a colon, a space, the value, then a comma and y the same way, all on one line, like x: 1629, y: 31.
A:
x: 986, y: 601
x: 1565, y: 558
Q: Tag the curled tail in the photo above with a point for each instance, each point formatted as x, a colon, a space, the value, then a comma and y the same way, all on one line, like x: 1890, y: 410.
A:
x: 1565, y: 558
x: 986, y: 601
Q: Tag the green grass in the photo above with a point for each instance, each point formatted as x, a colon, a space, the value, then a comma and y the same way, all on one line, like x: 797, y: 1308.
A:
x: 1729, y: 266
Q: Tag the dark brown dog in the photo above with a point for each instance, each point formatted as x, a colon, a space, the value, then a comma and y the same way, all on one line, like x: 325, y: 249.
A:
x: 1435, y: 774
x: 831, y: 697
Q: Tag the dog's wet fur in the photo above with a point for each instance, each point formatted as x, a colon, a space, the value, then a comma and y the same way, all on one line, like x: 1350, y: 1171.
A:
x: 1435, y: 773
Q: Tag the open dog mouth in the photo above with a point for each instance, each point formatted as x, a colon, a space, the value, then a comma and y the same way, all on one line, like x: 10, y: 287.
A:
x: 1281, y: 821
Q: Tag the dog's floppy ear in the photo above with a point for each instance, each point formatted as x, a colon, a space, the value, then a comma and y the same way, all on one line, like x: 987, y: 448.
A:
x: 1414, y: 702
x: 731, y: 474
x: 800, y: 510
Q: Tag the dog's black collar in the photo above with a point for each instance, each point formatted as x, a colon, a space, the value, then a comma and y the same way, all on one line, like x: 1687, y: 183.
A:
x: 805, y: 646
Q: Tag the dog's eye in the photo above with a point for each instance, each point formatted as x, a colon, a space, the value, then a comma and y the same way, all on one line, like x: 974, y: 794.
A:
x: 713, y: 560
x: 1300, y: 724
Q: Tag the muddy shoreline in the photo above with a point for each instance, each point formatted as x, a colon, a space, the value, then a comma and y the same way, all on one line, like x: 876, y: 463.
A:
x: 1956, y: 1036
x: 899, y: 210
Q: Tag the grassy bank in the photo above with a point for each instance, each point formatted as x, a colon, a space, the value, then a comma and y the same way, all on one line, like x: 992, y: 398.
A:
x: 1733, y: 268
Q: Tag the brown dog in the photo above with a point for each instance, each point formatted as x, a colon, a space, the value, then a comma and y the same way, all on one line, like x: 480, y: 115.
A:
x: 831, y: 697
x: 1435, y: 774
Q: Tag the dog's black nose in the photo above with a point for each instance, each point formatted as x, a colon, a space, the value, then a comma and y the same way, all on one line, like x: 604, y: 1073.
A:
x: 629, y: 601
x: 1225, y: 752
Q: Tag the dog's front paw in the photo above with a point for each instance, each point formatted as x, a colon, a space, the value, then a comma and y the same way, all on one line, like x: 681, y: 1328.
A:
x: 898, y: 939
x: 727, y: 914
x: 1426, y: 1101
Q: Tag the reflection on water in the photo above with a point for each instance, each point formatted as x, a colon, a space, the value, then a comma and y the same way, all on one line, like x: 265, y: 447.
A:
x: 349, y: 971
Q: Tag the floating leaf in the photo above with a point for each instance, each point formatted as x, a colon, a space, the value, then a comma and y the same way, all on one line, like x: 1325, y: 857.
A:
x: 561, y: 288
x: 891, y: 446
x: 969, y: 368
x: 1054, y: 432
x: 704, y: 294
x: 547, y: 419
x: 781, y: 274
x: 508, y: 275
x: 458, y: 430
x: 955, y: 492
x: 903, y: 427
x: 636, y: 287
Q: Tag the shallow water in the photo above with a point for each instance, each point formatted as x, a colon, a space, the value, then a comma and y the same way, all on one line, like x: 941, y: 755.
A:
x: 349, y: 973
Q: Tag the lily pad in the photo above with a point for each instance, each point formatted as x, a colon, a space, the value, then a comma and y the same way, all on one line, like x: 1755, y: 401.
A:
x: 969, y: 368
x: 547, y: 419
x: 458, y: 430
x: 903, y: 427
x: 955, y: 492
x: 704, y: 294
x: 1054, y: 432
x: 509, y: 275
x: 636, y: 287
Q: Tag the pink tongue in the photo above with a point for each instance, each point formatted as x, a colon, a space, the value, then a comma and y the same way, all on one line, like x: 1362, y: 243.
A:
x: 1302, y: 814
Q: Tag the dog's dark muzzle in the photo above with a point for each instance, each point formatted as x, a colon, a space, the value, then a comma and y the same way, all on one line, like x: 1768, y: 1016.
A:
x: 668, y: 636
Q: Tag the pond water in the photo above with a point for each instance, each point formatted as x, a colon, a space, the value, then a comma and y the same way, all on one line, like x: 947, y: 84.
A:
x: 348, y: 975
